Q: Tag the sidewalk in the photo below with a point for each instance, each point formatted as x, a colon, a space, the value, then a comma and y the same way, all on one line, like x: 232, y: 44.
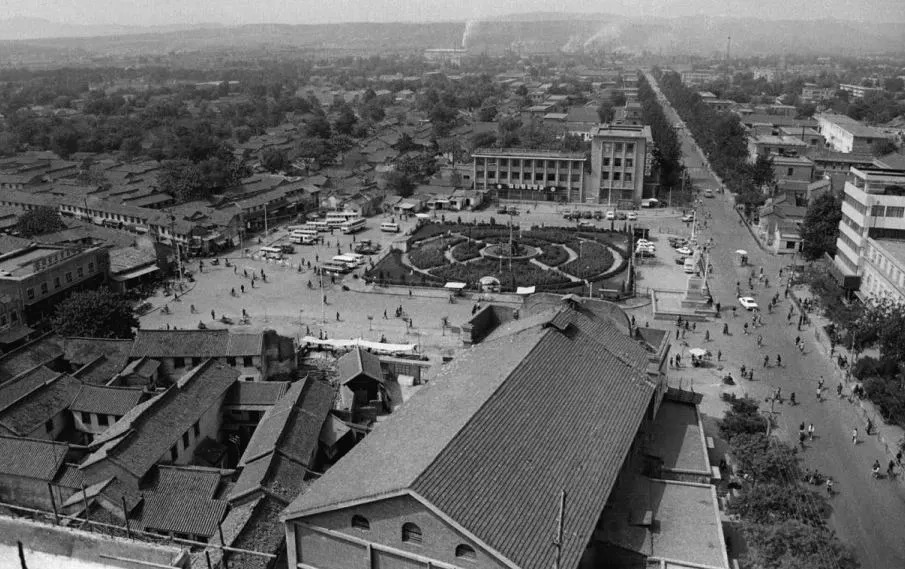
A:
x: 888, y: 435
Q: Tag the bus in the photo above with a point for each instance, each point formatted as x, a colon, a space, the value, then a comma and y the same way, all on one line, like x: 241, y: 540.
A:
x: 389, y: 227
x: 294, y: 228
x: 305, y: 237
x: 272, y: 252
x: 331, y: 267
x: 359, y: 258
x: 337, y: 218
x: 320, y: 226
x: 348, y: 260
x: 353, y: 225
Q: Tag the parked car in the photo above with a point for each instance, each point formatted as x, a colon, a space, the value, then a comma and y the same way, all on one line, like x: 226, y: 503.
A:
x: 747, y: 303
x: 680, y: 260
x: 684, y: 251
x: 688, y: 218
x: 632, y: 216
x: 610, y: 215
x: 586, y: 224
x: 621, y: 216
x: 567, y: 215
x: 598, y: 215
x: 587, y: 214
x: 502, y: 211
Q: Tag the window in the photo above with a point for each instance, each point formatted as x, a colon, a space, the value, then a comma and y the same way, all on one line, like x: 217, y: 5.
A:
x: 69, y: 276
x: 617, y: 175
x: 104, y: 420
x: 30, y: 293
x: 606, y: 160
x: 196, y: 430
x: 80, y: 272
x: 893, y: 211
x: 629, y: 163
x: 178, y: 362
x: 185, y: 439
x: 247, y: 361
x: 48, y: 426
x: 90, y: 267
x: 628, y: 176
x: 790, y: 171
x: 174, y: 453
x: 361, y: 522
x: 629, y: 146
x: 465, y: 552
x: 878, y: 211
x: 604, y: 175
x: 44, y: 288
x: 617, y: 147
x: 617, y: 161
x: 411, y: 533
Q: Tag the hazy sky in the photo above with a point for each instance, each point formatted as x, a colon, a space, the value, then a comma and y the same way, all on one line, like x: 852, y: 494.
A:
x: 153, y: 12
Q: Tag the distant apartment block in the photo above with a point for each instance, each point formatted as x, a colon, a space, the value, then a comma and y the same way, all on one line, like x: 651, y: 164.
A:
x: 767, y: 145
x: 620, y: 159
x: 873, y: 207
x: 812, y: 93
x: 538, y: 175
x: 697, y: 78
x: 859, y: 91
x: 719, y: 105
x: 845, y: 134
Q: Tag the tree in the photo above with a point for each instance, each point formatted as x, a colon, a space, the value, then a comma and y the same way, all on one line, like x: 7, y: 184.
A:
x: 820, y: 227
x: 99, y: 313
x: 274, y: 160
x: 762, y: 174
x: 399, y: 183
x: 764, y: 458
x: 773, y: 502
x: 883, y: 322
x: 318, y: 127
x: 418, y: 168
x: 314, y: 151
x: 792, y: 544
x: 605, y: 112
x: 345, y: 122
x: 882, y: 147
x: 39, y: 221
x: 182, y: 179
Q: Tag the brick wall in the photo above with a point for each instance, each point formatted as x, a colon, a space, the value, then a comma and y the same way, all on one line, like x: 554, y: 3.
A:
x: 386, y: 517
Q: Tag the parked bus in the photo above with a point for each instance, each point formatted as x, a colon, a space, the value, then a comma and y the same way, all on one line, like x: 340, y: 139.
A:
x: 337, y: 218
x: 348, y: 260
x: 331, y: 267
x: 294, y: 228
x: 272, y: 252
x: 389, y: 227
x: 304, y: 238
x: 320, y: 226
x: 353, y: 225
x: 359, y: 258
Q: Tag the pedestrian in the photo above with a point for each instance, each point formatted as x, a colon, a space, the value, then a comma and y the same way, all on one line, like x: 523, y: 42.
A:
x: 778, y: 360
x: 678, y: 360
x: 678, y: 322
x: 717, y: 307
x: 337, y: 316
x: 766, y: 361
x: 672, y: 361
x: 899, y: 458
x: 801, y: 427
x: 819, y: 393
x: 687, y: 325
x: 725, y: 329
x: 797, y: 340
x: 760, y: 341
x: 870, y: 425
x: 242, y: 288
x: 683, y: 334
x: 245, y: 273
x: 746, y: 328
x: 890, y: 470
x: 213, y: 316
x: 733, y: 312
x: 719, y: 355
x: 385, y: 313
x: 811, y: 431
x: 235, y: 269
x: 751, y: 374
x: 694, y: 327
x: 677, y: 333
x: 706, y: 335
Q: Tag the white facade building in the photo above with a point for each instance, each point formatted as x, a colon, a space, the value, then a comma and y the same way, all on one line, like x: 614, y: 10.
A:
x: 884, y: 269
x: 844, y: 134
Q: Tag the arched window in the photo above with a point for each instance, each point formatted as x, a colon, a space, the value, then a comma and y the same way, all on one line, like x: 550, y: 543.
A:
x: 411, y: 533
x: 464, y: 551
x: 360, y: 522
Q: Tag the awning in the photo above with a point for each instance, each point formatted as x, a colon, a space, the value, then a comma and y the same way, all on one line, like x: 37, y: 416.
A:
x: 351, y: 343
x: 422, y: 216
x: 454, y: 286
x: 525, y: 290
x: 134, y: 273
x: 406, y: 206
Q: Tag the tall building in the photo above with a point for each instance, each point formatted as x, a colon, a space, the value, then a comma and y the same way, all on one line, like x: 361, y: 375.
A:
x: 884, y: 269
x: 620, y: 159
x: 873, y: 207
x: 537, y: 175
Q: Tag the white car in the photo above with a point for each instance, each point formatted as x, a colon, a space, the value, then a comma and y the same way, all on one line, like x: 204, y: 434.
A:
x: 611, y: 215
x: 688, y: 218
x: 632, y: 216
x: 747, y: 303
x: 684, y: 251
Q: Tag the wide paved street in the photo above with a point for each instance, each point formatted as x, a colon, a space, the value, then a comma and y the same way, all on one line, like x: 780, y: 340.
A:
x: 867, y: 514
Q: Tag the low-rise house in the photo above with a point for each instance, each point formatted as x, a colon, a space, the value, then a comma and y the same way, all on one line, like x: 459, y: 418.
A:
x: 40, y: 413
x: 363, y: 392
x: 182, y: 503
x: 246, y: 403
x: 27, y: 466
x: 98, y: 407
x: 779, y: 225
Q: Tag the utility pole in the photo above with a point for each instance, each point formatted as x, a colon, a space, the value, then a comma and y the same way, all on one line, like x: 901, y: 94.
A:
x: 266, y: 233
x: 176, y: 245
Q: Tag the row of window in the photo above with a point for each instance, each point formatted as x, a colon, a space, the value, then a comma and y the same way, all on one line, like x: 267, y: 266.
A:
x: 529, y: 163
x: 45, y: 287
x: 887, y: 266
x: 179, y: 363
x: 102, y: 420
x: 887, y: 211
x: 104, y: 215
x: 186, y: 440
x: 849, y: 241
x: 538, y: 176
x: 605, y: 175
x: 617, y: 147
x: 858, y: 206
x: 629, y: 162
x: 411, y: 533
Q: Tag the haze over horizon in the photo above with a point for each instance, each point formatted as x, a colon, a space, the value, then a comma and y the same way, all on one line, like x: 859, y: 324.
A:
x: 235, y: 12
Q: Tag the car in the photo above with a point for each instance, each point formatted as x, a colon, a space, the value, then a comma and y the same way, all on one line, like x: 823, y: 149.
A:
x: 708, y: 193
x: 587, y: 214
x: 584, y: 223
x: 688, y: 218
x: 632, y: 216
x: 620, y: 215
x: 567, y: 215
x: 502, y: 211
x: 513, y: 211
x: 642, y: 252
x: 684, y: 251
x: 680, y: 260
x: 644, y: 243
x: 610, y: 215
x: 598, y: 214
x: 747, y: 303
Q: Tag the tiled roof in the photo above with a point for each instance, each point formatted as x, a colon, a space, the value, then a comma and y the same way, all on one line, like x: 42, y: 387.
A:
x: 107, y: 400
x: 80, y: 351
x: 70, y: 477
x: 189, y: 514
x: 41, y: 351
x: 145, y: 434
x: 256, y: 392
x: 290, y: 430
x: 551, y: 407
x: 177, y: 480
x: 195, y: 343
x: 31, y: 458
x: 41, y: 405
x: 18, y: 387
x: 358, y: 362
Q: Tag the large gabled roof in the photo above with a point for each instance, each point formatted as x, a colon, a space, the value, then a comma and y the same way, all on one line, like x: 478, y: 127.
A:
x: 107, y: 400
x: 509, y: 426
x: 196, y: 343
x: 31, y: 412
x: 31, y: 458
x: 358, y: 362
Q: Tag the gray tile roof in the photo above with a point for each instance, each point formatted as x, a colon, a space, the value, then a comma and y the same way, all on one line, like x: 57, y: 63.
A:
x: 31, y: 412
x: 107, y: 400
x: 358, y: 362
x: 18, y: 387
x: 189, y: 514
x: 195, y: 343
x: 41, y: 351
x: 178, y: 480
x: 31, y: 458
x: 502, y: 431
x: 145, y: 434
x: 256, y: 392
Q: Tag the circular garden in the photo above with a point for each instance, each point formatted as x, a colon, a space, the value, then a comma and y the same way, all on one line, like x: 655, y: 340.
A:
x: 560, y: 259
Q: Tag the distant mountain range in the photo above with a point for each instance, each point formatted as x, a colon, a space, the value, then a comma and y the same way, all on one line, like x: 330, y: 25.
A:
x: 525, y: 33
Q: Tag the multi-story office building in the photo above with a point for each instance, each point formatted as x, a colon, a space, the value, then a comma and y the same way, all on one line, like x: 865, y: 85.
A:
x: 873, y: 207
x: 859, y: 91
x: 884, y: 269
x: 620, y: 159
x: 522, y: 174
x: 39, y: 276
